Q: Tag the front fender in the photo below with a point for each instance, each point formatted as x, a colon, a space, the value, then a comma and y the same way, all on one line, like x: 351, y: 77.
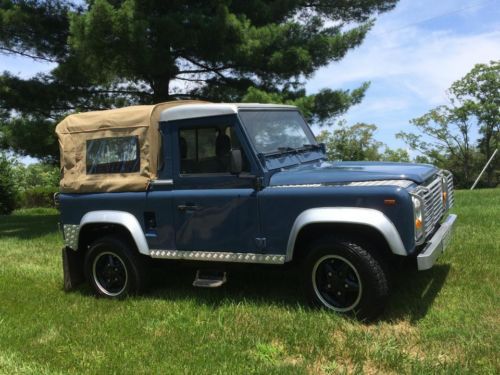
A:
x: 347, y: 215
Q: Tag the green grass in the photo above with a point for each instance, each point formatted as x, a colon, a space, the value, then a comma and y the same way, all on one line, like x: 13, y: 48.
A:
x: 440, y: 321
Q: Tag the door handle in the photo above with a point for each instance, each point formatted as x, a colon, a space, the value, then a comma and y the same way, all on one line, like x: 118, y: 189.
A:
x: 188, y: 207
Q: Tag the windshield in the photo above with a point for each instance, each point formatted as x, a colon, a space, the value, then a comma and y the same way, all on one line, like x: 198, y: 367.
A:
x: 274, y: 131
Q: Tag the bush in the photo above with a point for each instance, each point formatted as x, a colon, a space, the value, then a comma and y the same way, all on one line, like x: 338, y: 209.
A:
x: 36, y: 175
x: 7, y: 188
x: 40, y: 196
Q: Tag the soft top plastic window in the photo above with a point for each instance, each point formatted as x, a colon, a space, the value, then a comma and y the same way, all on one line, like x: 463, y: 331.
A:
x: 113, y: 155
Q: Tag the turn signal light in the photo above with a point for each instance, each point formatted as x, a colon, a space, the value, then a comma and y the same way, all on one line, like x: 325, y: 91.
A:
x: 445, y: 196
x: 418, y: 224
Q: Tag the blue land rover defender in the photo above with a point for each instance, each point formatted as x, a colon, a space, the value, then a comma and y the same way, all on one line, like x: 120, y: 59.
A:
x: 215, y: 184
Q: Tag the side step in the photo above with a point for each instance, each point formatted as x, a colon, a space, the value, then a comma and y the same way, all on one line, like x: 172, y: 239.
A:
x: 209, y: 279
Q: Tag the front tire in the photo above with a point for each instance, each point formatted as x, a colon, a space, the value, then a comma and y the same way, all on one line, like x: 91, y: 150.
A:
x: 345, y: 277
x: 114, y: 269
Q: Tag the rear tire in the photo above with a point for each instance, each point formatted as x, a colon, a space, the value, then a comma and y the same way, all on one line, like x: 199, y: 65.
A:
x: 345, y: 277
x: 114, y: 269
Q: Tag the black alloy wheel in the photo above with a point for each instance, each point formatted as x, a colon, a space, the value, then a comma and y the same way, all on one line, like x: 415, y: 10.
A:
x: 110, y: 273
x: 337, y: 283
x: 346, y: 276
x: 114, y: 268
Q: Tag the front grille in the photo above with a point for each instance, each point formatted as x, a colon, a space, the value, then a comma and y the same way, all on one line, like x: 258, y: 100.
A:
x: 433, y: 199
x: 433, y: 205
x: 449, y: 184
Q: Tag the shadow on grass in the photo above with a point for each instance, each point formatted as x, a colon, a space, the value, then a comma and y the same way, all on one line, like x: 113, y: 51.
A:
x: 413, y: 292
x: 27, y: 226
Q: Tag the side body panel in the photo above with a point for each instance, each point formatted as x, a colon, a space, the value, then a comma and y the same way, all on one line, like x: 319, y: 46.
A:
x: 124, y: 209
x: 282, y: 205
x: 224, y: 220
x: 74, y: 206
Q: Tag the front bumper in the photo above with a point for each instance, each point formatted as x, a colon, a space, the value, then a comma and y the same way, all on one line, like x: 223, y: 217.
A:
x: 436, y: 245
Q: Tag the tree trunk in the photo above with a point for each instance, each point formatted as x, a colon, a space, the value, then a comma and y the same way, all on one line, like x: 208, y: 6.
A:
x: 488, y: 152
x: 161, y: 88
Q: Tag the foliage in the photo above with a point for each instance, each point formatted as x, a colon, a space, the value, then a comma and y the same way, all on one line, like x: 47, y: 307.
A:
x: 439, y: 321
x: 397, y: 155
x: 38, y: 175
x: 34, y: 185
x: 448, y: 129
x: 7, y: 186
x: 111, y: 53
x: 318, y: 108
x: 357, y: 142
x: 40, y: 196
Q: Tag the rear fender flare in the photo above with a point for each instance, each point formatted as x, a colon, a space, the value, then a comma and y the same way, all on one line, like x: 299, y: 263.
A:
x: 124, y: 219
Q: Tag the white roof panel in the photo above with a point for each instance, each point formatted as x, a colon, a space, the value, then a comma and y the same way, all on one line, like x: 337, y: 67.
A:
x: 188, y: 111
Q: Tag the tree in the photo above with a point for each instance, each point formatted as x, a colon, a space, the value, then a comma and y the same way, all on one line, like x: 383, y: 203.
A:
x: 354, y: 142
x: 110, y: 53
x: 36, y: 175
x: 357, y: 142
x: 478, y: 95
x: 7, y: 190
x: 397, y: 155
x: 474, y: 104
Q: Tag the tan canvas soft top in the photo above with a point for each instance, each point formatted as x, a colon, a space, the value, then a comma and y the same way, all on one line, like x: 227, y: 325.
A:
x: 140, y: 121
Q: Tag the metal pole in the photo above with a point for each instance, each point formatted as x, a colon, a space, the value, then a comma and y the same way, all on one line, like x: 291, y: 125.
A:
x: 486, y: 166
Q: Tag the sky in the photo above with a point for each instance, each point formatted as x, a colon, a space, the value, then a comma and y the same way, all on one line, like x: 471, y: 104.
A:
x: 411, y: 56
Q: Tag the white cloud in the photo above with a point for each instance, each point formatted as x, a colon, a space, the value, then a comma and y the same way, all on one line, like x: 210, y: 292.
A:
x: 412, y: 56
x: 424, y: 63
x: 385, y: 104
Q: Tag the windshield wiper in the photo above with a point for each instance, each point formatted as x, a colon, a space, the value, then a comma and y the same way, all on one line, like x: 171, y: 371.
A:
x: 280, y: 151
x: 289, y: 150
x: 310, y: 146
x: 286, y: 149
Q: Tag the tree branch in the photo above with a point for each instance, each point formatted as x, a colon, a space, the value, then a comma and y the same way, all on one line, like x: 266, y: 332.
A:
x: 135, y: 92
x: 11, y: 51
x: 190, y: 79
x: 216, y: 70
x: 194, y: 71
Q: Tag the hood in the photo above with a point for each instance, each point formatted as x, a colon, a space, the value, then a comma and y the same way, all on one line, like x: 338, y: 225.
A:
x: 338, y: 172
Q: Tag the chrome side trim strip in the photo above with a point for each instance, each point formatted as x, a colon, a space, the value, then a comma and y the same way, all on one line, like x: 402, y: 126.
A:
x: 216, y: 256
x: 162, y: 182
x: 399, y: 183
x: 299, y: 186
x: 347, y: 215
x: 122, y: 218
x: 70, y: 233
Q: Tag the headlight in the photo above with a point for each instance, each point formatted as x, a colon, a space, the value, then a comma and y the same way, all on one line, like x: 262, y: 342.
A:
x: 418, y: 217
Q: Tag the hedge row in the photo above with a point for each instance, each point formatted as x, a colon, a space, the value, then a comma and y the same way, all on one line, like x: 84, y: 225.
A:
x: 37, y: 197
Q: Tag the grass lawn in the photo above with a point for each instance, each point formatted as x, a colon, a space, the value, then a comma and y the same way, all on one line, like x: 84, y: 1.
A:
x: 443, y: 320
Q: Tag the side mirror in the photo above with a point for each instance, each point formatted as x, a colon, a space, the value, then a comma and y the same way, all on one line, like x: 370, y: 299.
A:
x: 236, y: 165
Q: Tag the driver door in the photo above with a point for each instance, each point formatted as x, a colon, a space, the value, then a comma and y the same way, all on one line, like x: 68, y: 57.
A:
x: 214, y: 210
